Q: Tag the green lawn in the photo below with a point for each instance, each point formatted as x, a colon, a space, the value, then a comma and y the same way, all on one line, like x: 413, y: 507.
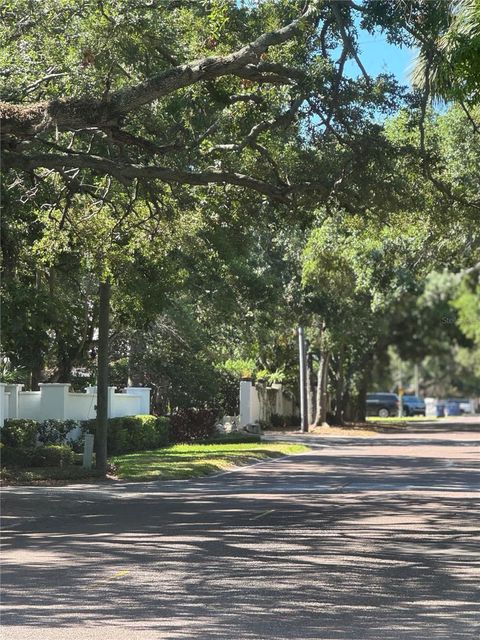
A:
x: 196, y: 460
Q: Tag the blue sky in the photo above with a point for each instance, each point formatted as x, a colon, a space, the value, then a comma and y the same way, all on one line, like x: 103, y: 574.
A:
x: 378, y: 56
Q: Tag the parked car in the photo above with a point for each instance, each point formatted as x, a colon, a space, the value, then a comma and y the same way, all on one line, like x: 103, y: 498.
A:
x: 413, y: 406
x: 463, y: 405
x: 382, y: 404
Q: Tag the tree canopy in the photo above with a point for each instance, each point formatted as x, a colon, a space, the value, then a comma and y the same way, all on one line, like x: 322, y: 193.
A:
x: 217, y: 165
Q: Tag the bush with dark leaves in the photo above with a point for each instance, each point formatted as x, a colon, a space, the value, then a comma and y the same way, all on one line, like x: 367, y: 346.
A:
x: 192, y: 425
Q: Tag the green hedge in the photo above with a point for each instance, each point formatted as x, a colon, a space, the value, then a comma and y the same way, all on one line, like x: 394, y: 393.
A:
x: 134, y: 433
x: 19, y: 433
x: 25, y: 433
x: 55, y: 455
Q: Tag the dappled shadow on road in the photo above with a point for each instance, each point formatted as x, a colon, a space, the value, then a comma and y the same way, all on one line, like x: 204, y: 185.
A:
x: 320, y: 548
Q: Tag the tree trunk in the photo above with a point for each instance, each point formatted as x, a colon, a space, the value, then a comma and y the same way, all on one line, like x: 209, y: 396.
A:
x: 323, y: 406
x: 309, y: 390
x: 340, y: 387
x: 102, y: 381
x: 362, y: 397
x: 36, y: 375
x: 321, y: 395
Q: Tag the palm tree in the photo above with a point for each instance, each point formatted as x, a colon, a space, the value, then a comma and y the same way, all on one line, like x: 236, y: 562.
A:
x: 448, y: 64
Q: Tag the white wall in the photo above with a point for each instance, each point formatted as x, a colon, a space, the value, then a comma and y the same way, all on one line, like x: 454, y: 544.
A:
x: 124, y: 405
x: 28, y: 404
x: 259, y: 405
x: 55, y: 401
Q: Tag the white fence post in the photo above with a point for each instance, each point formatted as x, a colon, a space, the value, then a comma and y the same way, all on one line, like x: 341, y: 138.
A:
x: 245, y: 402
x: 2, y: 403
x: 111, y: 401
x: 14, y: 406
x: 88, y: 450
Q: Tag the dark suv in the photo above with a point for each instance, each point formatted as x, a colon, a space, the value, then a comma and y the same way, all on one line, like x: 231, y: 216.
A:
x: 382, y: 404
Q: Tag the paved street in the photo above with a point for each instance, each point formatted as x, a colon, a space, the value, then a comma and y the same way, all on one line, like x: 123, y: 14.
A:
x: 358, y: 539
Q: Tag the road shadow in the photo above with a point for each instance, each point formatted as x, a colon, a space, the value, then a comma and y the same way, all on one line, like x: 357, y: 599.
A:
x: 312, y: 547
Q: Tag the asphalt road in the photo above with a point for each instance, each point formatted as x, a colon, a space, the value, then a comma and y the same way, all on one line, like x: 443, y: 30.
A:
x: 359, y: 539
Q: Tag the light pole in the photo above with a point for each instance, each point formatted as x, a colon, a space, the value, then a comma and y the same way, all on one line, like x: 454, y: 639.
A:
x: 303, y: 375
x: 400, y: 392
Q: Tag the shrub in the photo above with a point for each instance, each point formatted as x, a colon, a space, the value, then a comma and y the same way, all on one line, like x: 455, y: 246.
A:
x: 277, y: 421
x: 292, y: 421
x: 15, y: 456
x: 162, y: 425
x: 191, y: 425
x: 134, y: 433
x: 19, y: 433
x: 55, y: 431
x: 46, y: 456
x: 52, y: 455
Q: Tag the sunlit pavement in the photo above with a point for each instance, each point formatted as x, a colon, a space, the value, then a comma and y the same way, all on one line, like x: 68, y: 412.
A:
x: 360, y: 538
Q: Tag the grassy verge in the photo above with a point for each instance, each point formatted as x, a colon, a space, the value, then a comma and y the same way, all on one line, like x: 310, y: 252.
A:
x: 196, y: 460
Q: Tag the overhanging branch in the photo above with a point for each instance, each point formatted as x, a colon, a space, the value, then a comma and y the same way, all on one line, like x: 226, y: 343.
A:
x: 25, y: 121
x: 126, y: 172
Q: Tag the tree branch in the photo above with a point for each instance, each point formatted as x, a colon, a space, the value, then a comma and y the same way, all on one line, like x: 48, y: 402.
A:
x: 24, y: 121
x: 126, y: 172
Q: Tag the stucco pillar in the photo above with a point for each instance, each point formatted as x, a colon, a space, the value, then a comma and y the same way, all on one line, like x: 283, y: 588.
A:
x: 14, y: 390
x: 53, y: 400
x: 245, y: 402
x: 144, y: 394
x: 111, y: 402
x: 2, y: 403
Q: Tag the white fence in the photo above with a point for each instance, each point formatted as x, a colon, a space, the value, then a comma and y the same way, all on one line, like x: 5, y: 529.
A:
x: 259, y: 402
x: 56, y: 401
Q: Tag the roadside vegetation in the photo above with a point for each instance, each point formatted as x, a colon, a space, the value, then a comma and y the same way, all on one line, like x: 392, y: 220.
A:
x: 185, y: 445
x: 176, y: 462
x: 184, y: 183
x: 196, y: 460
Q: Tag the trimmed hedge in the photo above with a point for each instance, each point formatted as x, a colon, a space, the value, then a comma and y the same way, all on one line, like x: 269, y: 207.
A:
x: 134, y: 433
x: 19, y: 433
x: 54, y: 455
x: 15, y: 456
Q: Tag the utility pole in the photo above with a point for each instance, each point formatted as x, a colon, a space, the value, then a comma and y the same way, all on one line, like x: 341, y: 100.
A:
x: 303, y: 379
x: 400, y: 392
x: 417, y: 381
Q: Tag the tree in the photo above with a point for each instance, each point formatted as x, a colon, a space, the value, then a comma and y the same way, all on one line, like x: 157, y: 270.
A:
x: 125, y: 101
x: 448, y: 62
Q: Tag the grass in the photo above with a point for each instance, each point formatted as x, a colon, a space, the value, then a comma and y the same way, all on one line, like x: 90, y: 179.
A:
x: 196, y: 460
